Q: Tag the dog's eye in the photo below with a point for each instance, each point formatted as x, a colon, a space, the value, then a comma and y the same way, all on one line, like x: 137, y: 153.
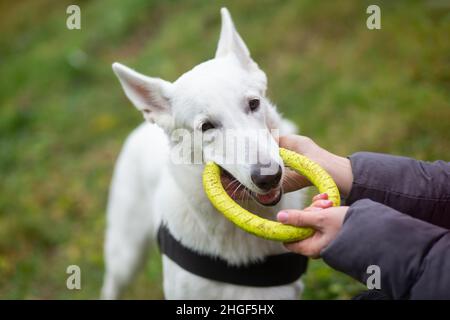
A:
x: 253, y: 104
x: 207, y: 126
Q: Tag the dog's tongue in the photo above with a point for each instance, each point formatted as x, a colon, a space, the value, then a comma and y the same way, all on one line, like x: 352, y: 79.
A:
x: 269, y: 198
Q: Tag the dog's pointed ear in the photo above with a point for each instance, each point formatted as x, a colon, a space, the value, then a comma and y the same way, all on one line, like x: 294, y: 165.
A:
x: 149, y: 95
x: 230, y: 42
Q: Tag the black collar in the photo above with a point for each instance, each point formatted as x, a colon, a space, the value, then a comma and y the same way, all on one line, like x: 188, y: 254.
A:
x: 275, y: 270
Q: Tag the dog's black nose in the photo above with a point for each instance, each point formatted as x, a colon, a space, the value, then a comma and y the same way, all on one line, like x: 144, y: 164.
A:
x: 265, y: 178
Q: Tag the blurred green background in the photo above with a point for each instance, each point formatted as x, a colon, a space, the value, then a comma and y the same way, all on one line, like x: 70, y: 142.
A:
x: 63, y: 115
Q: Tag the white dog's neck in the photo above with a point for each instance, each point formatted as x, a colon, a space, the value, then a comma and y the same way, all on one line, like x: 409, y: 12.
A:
x: 199, y: 226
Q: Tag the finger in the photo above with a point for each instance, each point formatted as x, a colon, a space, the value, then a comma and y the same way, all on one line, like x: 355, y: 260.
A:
x: 299, y: 218
x: 320, y: 196
x: 322, y: 204
x: 312, y: 209
x: 306, y: 247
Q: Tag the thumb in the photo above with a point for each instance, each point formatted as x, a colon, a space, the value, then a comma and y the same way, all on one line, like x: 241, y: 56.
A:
x: 299, y: 218
x: 289, y: 142
x: 299, y: 144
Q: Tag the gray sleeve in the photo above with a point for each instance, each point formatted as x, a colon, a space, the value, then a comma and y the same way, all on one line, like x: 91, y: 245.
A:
x: 413, y: 256
x: 418, y: 188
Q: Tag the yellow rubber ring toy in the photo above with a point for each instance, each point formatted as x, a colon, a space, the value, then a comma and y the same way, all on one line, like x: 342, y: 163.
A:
x: 256, y: 225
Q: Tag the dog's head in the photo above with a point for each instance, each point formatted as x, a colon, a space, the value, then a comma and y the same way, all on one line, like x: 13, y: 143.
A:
x: 220, y: 98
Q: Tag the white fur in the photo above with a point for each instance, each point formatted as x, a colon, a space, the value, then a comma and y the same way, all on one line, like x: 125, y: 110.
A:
x: 148, y: 189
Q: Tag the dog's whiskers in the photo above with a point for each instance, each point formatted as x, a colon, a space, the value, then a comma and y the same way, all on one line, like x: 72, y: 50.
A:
x: 231, y: 183
x: 235, y: 190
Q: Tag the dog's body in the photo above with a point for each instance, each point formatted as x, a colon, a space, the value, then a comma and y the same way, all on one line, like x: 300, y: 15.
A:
x: 148, y: 189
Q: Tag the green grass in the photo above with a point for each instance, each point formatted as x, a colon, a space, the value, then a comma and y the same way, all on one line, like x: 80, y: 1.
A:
x: 63, y: 116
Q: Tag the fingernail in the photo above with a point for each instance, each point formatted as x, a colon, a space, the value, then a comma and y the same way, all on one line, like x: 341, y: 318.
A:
x: 327, y: 202
x: 282, y: 216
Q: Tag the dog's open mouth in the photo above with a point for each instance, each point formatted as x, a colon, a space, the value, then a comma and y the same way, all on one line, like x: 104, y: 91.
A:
x: 238, y: 191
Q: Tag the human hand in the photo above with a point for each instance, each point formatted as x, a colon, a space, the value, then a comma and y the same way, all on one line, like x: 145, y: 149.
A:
x: 338, y: 167
x: 325, y: 219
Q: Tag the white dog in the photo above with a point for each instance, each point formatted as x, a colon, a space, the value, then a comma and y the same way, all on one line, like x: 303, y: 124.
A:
x: 149, y: 191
